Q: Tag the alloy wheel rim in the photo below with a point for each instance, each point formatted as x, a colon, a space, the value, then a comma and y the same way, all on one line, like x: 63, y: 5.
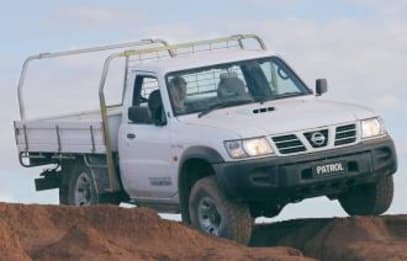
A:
x: 209, y: 218
x: 82, y: 192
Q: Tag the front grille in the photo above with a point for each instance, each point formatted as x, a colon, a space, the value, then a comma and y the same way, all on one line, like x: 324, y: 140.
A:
x: 345, y: 134
x: 288, y: 144
x: 317, y: 139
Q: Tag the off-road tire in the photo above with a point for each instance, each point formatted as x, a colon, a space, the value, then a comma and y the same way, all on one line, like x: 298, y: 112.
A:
x: 369, y: 199
x: 236, y: 221
x: 70, y: 177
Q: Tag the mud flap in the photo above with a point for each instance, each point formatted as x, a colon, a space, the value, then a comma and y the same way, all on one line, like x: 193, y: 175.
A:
x: 50, y: 179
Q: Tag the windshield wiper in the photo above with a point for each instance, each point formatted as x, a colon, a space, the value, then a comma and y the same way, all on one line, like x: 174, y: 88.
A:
x: 223, y: 105
x: 263, y: 99
x: 288, y: 94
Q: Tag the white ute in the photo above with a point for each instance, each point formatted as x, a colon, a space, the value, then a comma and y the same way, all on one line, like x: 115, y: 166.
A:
x: 221, y: 131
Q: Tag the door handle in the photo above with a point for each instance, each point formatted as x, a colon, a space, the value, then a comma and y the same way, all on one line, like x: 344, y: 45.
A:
x: 131, y: 136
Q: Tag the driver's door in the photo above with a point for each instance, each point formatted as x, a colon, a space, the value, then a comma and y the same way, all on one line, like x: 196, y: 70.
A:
x: 144, y: 149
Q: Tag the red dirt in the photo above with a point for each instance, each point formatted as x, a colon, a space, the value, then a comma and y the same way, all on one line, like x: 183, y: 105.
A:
x: 34, y: 232
x: 354, y: 238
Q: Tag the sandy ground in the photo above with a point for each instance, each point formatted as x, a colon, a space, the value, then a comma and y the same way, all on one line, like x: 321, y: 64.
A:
x: 34, y: 232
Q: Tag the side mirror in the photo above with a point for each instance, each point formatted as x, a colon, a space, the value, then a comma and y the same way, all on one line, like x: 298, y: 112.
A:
x: 139, y: 115
x: 321, y: 87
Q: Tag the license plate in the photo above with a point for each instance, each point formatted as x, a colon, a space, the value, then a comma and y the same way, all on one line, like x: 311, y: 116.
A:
x: 329, y: 169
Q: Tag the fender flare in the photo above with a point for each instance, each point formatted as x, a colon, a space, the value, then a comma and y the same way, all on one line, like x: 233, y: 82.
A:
x: 207, y: 154
x: 201, y: 152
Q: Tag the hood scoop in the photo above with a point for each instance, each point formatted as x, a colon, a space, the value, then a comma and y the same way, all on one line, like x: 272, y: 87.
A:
x: 263, y: 110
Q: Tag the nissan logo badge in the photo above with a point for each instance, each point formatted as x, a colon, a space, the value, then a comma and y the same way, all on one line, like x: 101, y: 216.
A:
x: 318, y: 139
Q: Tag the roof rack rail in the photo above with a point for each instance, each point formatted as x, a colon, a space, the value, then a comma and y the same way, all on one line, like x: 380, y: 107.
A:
x: 48, y: 55
x: 196, y: 46
x: 135, y: 57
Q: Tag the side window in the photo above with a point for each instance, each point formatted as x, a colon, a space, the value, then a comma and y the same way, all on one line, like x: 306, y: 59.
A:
x: 144, y: 85
x: 147, y: 107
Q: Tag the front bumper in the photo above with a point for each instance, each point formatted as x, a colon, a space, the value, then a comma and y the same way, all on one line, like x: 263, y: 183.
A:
x: 291, y: 178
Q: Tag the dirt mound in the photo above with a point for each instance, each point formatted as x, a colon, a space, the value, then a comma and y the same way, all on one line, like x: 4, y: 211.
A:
x: 10, y: 247
x: 113, y: 233
x: 354, y: 238
x: 34, y: 232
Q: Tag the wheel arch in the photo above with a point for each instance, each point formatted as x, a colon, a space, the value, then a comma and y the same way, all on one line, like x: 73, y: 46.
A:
x: 96, y: 166
x: 196, y: 163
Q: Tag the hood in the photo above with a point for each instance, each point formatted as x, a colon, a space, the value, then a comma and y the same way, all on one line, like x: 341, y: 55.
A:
x: 288, y: 115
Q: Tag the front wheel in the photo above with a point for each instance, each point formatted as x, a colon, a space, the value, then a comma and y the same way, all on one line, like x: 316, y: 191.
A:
x: 369, y: 199
x: 213, y: 213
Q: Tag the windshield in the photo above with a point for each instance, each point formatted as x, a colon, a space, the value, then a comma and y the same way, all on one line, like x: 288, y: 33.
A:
x: 232, y: 84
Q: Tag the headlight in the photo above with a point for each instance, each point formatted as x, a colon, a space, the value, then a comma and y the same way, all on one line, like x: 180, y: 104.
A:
x: 372, y: 127
x: 248, y: 148
x: 235, y: 149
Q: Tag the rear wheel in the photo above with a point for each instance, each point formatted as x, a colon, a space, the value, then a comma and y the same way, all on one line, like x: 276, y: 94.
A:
x: 369, y: 199
x: 213, y: 213
x: 78, y: 187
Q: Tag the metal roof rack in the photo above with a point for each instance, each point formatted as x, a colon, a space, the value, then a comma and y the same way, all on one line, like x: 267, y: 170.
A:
x: 155, y: 53
x: 135, y: 57
x: 49, y: 55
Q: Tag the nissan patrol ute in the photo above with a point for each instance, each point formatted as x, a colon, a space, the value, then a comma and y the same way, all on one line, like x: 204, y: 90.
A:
x: 241, y: 137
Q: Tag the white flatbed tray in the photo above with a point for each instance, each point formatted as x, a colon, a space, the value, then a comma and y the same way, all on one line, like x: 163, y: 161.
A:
x: 72, y: 133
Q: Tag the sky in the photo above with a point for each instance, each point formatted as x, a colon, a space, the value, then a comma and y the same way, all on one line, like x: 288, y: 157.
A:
x: 360, y: 46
